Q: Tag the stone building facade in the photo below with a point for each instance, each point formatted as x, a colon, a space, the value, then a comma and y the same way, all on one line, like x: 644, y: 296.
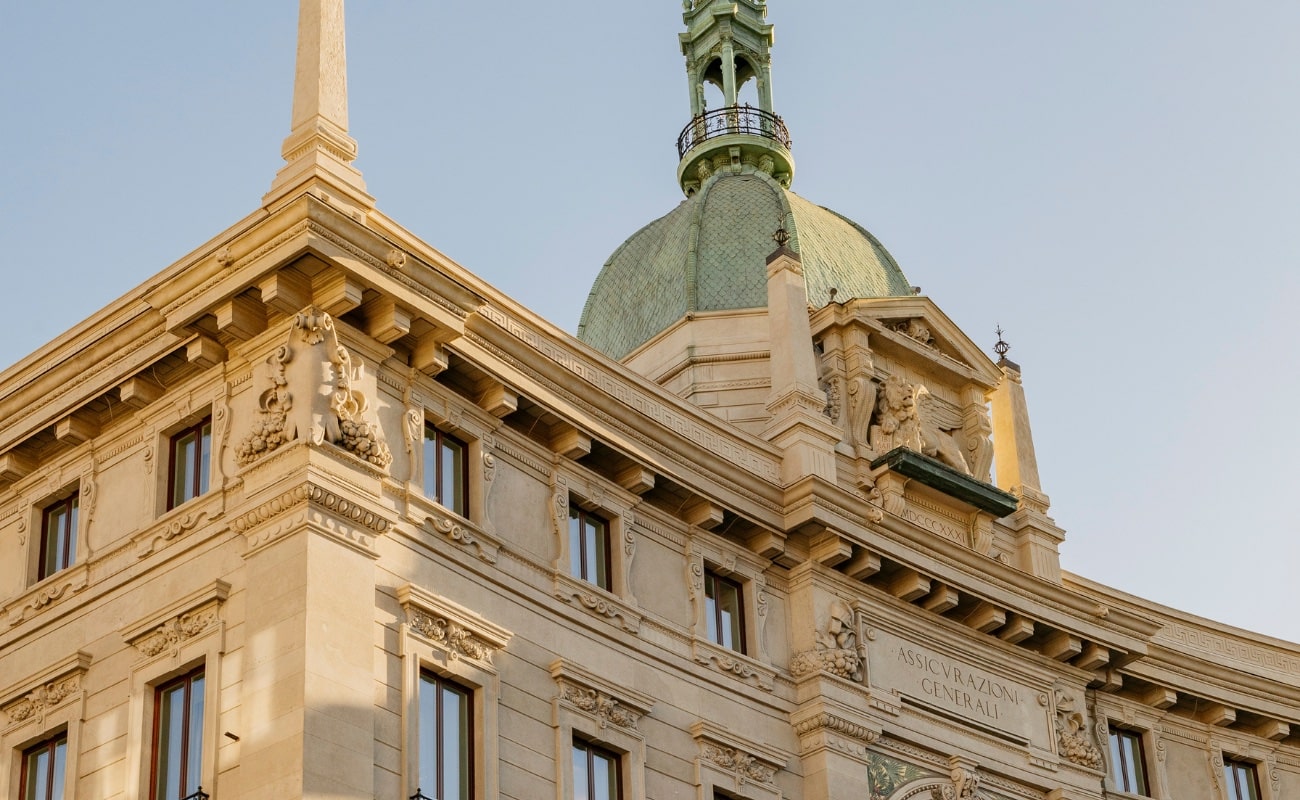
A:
x: 317, y: 512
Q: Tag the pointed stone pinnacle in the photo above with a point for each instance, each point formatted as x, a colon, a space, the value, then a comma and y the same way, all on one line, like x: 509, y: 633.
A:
x: 319, y: 149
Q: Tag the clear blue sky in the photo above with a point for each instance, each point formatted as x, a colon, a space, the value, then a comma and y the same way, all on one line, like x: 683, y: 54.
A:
x: 1114, y: 182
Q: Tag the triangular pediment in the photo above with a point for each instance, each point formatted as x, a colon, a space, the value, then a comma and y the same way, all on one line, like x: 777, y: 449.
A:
x: 918, y: 326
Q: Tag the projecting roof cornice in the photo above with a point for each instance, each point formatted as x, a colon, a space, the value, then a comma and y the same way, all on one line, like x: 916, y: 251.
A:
x: 393, y: 286
x: 1207, y: 658
x: 1012, y: 590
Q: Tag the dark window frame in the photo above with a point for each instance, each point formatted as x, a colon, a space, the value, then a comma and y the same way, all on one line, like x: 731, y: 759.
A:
x: 582, y: 564
x: 66, y: 536
x: 592, y: 751
x: 50, y: 745
x: 1234, y: 771
x: 434, y: 439
x: 439, y: 684
x: 1128, y: 777
x: 187, y: 680
x: 202, y: 432
x: 714, y: 612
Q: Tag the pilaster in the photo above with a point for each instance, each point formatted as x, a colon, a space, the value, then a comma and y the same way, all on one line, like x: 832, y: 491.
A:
x: 308, y: 704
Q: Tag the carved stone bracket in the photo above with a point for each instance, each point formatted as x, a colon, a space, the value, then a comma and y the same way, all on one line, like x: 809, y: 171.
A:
x: 34, y: 698
x: 190, y: 618
x: 599, y: 699
x: 451, y: 628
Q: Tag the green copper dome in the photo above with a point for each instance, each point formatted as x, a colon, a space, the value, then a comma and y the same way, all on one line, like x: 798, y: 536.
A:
x: 710, y: 254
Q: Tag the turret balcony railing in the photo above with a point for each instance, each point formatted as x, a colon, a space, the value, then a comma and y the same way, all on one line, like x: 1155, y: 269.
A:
x: 731, y: 120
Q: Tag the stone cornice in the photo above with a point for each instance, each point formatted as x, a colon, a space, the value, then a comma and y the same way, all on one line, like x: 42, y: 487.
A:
x: 1237, y: 689
x: 1204, y: 646
x: 965, y: 569
x: 826, y: 721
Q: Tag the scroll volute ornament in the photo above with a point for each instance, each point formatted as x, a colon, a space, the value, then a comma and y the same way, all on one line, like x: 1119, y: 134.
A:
x: 314, y: 393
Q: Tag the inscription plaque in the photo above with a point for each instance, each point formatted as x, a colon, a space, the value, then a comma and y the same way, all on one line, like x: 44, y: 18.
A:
x: 956, y: 687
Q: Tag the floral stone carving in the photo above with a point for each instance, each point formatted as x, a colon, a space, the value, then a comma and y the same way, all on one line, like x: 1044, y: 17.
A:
x: 314, y: 392
x: 43, y: 698
x: 458, y: 640
x: 743, y: 764
x: 606, y: 709
x: 176, y: 630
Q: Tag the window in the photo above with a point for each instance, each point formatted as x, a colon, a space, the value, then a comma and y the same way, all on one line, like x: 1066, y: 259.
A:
x: 445, y: 459
x: 724, y: 611
x: 178, y: 739
x: 1242, y: 782
x: 191, y: 454
x: 43, y: 769
x: 1127, y: 764
x: 589, y: 548
x: 58, y: 537
x: 596, y: 774
x: 446, y: 740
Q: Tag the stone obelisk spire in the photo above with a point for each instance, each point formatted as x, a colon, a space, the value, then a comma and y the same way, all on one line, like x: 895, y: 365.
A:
x: 319, y: 150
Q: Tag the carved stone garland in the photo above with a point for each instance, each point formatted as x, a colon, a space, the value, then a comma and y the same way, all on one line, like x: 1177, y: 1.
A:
x: 836, y: 649
x: 1071, y: 734
x: 315, y: 368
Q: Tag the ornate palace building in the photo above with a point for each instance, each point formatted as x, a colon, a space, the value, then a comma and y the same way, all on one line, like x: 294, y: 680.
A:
x: 319, y: 513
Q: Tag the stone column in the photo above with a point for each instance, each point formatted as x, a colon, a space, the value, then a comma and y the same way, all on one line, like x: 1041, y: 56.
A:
x: 729, y: 72
x: 765, y: 87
